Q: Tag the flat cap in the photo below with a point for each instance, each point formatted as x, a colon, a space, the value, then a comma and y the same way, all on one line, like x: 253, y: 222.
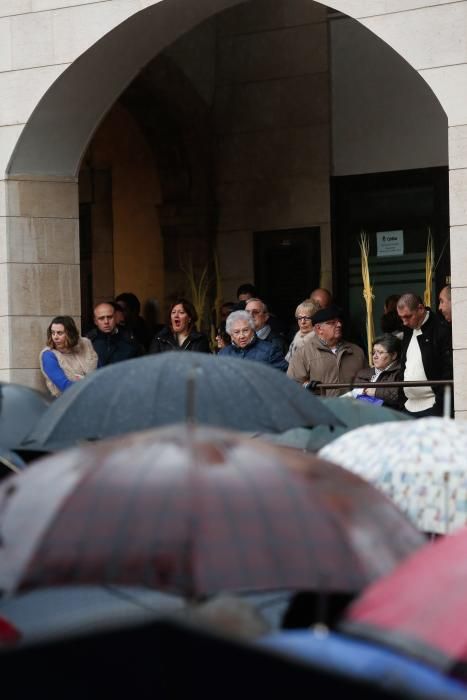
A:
x: 327, y: 314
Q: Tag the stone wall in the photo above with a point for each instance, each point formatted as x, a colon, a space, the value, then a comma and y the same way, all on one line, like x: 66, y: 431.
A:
x: 273, y: 122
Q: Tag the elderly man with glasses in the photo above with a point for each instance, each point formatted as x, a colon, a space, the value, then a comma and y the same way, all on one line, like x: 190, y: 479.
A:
x: 326, y: 358
x: 260, y: 315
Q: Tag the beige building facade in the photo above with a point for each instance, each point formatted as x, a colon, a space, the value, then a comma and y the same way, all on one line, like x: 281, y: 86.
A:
x: 173, y: 127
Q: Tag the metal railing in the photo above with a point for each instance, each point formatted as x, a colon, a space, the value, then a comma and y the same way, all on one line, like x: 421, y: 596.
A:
x: 447, y: 383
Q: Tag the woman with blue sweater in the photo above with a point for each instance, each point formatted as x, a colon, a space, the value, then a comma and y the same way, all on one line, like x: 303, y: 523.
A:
x: 67, y: 357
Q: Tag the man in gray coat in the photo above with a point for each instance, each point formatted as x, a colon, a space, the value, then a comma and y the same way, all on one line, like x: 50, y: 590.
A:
x: 326, y: 358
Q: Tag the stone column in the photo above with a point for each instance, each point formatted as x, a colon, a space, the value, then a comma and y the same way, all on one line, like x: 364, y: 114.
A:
x: 39, y: 269
x: 458, y: 213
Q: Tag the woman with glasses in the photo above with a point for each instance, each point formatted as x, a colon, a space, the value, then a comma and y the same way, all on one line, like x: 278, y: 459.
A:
x: 386, y: 356
x: 303, y: 314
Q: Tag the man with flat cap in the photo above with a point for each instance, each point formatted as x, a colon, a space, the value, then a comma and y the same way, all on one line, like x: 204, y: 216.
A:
x: 326, y: 357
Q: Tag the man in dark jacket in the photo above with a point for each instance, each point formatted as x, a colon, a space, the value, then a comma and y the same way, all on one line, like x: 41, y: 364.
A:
x: 247, y: 346
x: 426, y: 354
x: 260, y: 315
x: 445, y: 306
x: 110, y: 342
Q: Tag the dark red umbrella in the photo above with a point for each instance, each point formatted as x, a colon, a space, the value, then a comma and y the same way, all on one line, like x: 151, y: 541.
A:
x: 196, y: 511
x: 421, y: 607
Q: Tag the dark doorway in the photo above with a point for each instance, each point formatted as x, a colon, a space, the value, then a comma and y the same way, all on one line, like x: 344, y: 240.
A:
x: 96, y: 241
x: 406, y: 205
x: 287, y: 268
x: 85, y: 249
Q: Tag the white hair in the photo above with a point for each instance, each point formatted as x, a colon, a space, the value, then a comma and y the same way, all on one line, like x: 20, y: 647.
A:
x: 238, y: 316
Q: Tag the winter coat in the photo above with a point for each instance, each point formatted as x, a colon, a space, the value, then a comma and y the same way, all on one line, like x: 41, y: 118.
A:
x: 113, y: 347
x: 62, y: 369
x: 259, y: 351
x: 278, y: 340
x: 391, y: 397
x: 166, y: 341
x: 435, y: 343
x: 314, y: 361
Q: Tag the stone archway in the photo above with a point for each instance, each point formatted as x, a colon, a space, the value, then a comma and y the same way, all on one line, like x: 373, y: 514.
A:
x: 75, y: 99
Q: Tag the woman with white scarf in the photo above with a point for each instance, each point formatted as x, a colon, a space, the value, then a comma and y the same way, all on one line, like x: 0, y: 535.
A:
x: 303, y: 315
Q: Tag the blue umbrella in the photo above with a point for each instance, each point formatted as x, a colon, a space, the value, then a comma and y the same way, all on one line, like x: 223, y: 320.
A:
x: 364, y: 661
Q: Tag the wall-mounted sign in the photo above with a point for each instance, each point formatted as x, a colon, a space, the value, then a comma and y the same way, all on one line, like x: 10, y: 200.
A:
x: 389, y: 243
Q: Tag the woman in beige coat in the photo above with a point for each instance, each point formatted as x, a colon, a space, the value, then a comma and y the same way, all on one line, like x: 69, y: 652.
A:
x: 303, y: 315
x: 67, y: 357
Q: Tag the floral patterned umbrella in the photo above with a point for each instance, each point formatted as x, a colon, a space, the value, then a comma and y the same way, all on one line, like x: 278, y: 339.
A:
x: 421, y: 466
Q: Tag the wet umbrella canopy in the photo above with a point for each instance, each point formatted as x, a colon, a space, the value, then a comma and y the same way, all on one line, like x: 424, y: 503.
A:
x: 426, y: 477
x: 20, y: 410
x: 167, y: 388
x: 195, y: 511
x: 421, y: 607
x: 10, y: 463
x: 351, y: 412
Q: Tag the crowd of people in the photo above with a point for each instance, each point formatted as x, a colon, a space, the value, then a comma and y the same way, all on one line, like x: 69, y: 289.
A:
x: 415, y: 345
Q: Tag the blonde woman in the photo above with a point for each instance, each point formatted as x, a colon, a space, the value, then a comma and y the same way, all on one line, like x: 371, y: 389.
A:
x: 303, y: 315
x: 67, y: 357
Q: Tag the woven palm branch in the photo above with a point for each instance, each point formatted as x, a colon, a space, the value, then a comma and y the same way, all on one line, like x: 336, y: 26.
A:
x: 429, y: 268
x: 198, y: 289
x: 368, y: 295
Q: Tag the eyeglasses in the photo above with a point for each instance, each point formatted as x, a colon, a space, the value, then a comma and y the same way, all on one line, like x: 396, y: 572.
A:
x: 303, y: 318
x: 332, y: 322
x: 380, y: 352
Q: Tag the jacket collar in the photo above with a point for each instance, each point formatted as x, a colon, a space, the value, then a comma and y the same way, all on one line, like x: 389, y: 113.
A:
x: 252, y: 342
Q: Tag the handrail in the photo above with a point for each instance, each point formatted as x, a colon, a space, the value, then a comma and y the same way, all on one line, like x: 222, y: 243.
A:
x: 386, y: 385
x: 447, y: 383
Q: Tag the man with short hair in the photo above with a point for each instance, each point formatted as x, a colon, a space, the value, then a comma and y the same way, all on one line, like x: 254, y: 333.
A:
x: 445, y: 303
x: 322, y: 297
x: 135, y: 325
x: 260, y: 315
x: 246, y: 291
x: 110, y: 341
x: 426, y: 354
x: 326, y: 358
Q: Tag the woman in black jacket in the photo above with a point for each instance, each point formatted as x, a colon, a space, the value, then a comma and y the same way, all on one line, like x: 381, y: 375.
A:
x: 180, y: 333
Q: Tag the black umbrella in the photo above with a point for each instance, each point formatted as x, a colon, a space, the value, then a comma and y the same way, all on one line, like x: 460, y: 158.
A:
x: 170, y: 388
x: 20, y: 409
x: 174, y: 658
x: 353, y: 414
